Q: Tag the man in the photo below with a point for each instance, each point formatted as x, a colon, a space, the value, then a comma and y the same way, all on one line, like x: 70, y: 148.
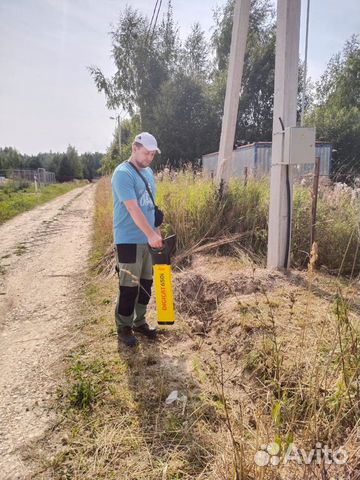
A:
x: 134, y: 229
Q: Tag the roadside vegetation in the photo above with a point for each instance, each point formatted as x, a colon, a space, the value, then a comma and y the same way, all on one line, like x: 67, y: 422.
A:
x: 18, y: 197
x: 261, y: 360
x: 195, y: 211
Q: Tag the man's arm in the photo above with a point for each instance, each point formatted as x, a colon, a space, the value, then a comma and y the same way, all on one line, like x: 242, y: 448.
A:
x: 153, y: 236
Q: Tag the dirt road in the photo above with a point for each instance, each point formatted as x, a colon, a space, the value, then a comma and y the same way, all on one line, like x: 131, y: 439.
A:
x: 43, y: 257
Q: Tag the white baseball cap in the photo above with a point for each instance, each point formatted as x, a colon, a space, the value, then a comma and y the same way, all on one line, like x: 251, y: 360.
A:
x: 148, y: 141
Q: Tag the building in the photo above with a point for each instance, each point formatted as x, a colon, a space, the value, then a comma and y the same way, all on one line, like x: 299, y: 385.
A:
x: 255, y: 160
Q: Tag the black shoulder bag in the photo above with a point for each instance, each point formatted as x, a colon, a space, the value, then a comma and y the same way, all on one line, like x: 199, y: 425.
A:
x: 159, y: 215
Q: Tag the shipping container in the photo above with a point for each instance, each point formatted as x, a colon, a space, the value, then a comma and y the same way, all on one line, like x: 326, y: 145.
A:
x: 256, y: 158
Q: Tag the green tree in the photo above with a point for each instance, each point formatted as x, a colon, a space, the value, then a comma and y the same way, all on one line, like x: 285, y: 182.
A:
x: 74, y: 160
x: 10, y: 159
x: 144, y: 59
x: 33, y: 162
x: 195, y: 54
x: 168, y: 43
x: 65, y: 172
x: 261, y: 23
x: 185, y: 122
x: 52, y: 162
x: 40, y: 160
x: 91, y: 163
x: 336, y: 109
x: 178, y: 90
x: 256, y: 102
x: 69, y: 166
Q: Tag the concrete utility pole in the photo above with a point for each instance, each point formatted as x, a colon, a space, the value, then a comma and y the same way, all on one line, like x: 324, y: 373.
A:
x: 233, y: 86
x: 285, y: 98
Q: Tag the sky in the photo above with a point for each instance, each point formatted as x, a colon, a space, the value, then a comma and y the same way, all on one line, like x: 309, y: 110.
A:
x: 49, y: 100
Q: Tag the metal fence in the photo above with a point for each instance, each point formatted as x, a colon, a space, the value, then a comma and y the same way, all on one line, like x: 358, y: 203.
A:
x: 40, y: 175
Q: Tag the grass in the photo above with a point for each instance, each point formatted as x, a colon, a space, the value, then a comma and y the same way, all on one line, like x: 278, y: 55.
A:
x: 18, y: 197
x: 192, y: 208
x: 103, y: 224
x: 195, y: 211
x: 259, y: 358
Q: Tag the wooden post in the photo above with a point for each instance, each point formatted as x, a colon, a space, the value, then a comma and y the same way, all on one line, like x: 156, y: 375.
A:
x: 245, y: 176
x: 314, y: 195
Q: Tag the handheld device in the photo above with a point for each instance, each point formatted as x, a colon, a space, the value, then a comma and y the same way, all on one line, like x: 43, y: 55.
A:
x: 161, y: 258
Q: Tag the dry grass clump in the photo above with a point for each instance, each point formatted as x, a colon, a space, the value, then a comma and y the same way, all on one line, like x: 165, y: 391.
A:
x: 197, y: 212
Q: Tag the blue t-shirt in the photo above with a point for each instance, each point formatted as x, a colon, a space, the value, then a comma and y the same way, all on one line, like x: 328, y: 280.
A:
x: 128, y: 185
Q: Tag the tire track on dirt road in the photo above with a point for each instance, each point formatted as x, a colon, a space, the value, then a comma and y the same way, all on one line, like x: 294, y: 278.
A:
x: 43, y: 258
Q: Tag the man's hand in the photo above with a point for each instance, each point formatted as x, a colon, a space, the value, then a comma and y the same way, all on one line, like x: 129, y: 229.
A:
x: 155, y: 240
x: 153, y: 236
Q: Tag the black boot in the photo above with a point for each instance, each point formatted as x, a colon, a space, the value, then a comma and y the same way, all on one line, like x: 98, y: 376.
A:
x: 146, y: 331
x: 126, y: 336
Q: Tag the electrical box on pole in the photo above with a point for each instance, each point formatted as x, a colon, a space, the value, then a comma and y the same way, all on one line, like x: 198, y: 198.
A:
x: 299, y: 145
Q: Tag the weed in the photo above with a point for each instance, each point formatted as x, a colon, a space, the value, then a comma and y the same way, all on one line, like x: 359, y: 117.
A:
x: 82, y: 395
x: 20, y: 249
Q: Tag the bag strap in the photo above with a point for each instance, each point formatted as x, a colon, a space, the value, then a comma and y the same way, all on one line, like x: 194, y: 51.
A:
x: 144, y: 180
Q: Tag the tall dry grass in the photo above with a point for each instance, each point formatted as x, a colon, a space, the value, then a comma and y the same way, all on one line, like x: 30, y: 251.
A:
x: 197, y: 213
x: 103, y: 222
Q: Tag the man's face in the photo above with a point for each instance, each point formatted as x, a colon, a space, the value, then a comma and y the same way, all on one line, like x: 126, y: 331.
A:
x: 142, y: 156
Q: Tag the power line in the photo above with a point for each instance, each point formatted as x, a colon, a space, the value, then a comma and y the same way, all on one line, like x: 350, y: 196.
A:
x: 153, y: 14
x: 152, y: 25
x: 151, y: 21
x: 157, y: 15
